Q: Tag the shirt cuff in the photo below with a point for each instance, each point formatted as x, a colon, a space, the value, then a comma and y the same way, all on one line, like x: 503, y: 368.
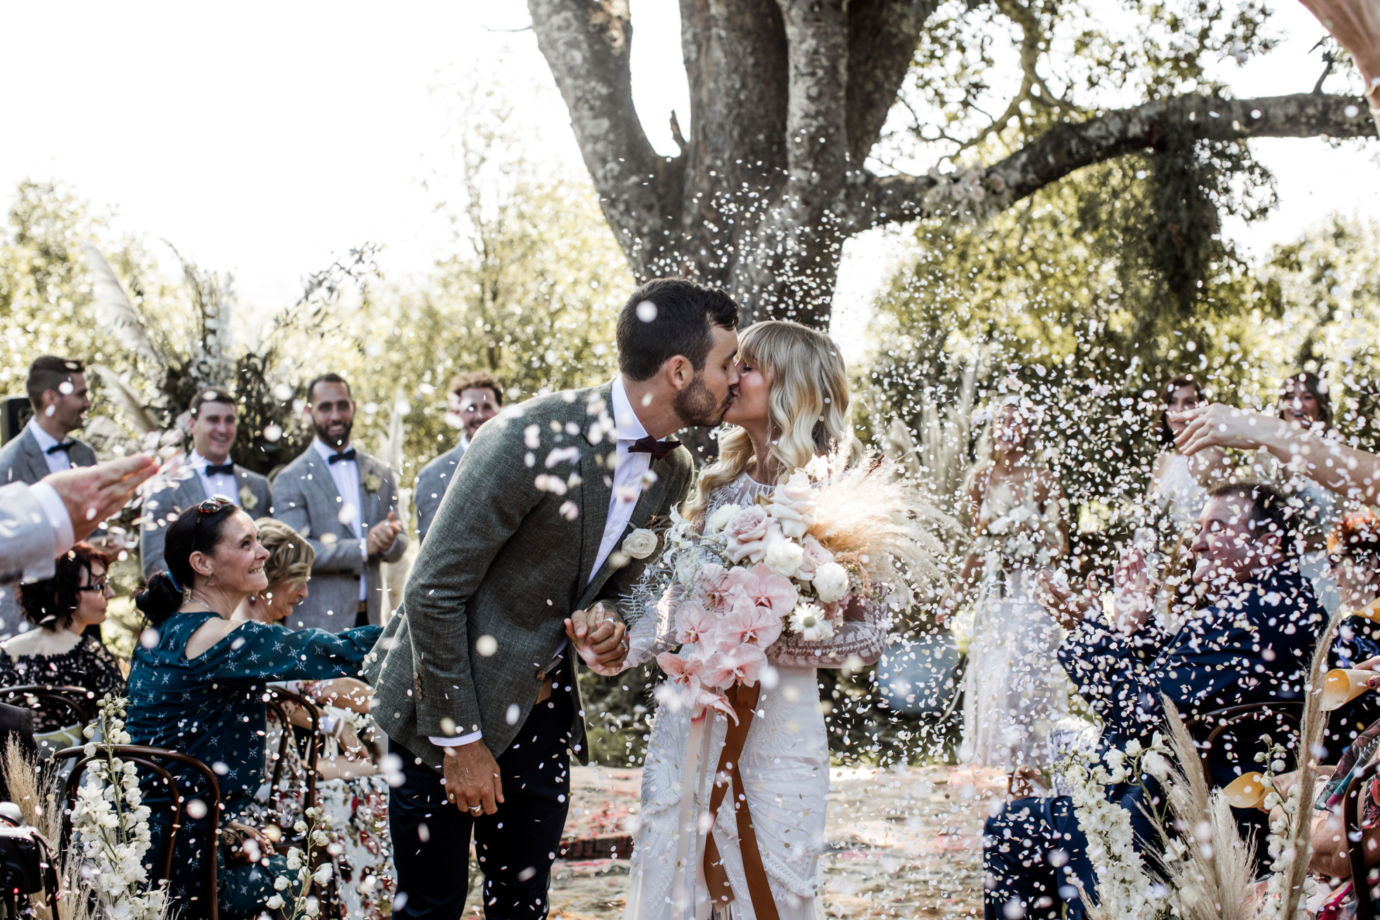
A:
x: 448, y: 741
x: 56, y: 512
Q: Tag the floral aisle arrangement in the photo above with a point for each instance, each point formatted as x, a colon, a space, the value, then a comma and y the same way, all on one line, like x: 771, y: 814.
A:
x: 790, y: 564
x: 110, y: 830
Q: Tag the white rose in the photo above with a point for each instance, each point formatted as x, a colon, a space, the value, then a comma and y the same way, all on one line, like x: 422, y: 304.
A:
x: 720, y: 518
x: 640, y: 544
x: 831, y: 582
x: 784, y: 558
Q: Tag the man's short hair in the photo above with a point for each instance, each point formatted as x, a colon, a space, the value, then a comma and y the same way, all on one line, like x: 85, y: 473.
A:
x: 326, y: 378
x: 49, y: 372
x: 211, y: 394
x: 476, y: 380
x: 1270, y: 510
x: 675, y: 320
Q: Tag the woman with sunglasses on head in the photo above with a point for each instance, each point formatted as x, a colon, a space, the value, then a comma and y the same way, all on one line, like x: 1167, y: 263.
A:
x: 56, y: 653
x: 197, y: 686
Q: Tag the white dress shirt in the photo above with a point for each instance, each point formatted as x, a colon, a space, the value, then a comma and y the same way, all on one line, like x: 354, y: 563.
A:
x: 629, y: 471
x: 59, y: 459
x: 345, y: 475
x: 219, y: 484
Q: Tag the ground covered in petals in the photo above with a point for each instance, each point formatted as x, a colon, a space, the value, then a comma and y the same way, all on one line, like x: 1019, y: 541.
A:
x: 902, y: 843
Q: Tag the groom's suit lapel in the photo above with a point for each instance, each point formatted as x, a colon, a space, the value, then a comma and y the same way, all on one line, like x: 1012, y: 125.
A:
x: 596, y: 478
x: 648, y: 501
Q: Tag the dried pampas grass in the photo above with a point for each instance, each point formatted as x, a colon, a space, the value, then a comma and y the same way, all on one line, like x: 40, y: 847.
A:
x: 881, y: 518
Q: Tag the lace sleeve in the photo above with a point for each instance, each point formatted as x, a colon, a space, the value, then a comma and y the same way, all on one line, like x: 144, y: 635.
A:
x: 653, y: 632
x: 860, y: 637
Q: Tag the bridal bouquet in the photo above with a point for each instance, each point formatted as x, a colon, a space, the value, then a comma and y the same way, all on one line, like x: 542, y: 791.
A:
x: 790, y: 564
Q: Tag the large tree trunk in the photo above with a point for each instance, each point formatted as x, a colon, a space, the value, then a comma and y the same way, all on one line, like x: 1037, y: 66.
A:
x: 787, y: 98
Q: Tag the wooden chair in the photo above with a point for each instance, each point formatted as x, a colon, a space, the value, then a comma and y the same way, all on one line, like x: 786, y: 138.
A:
x: 152, y: 760
x: 280, y: 703
x: 1362, y: 888
x: 64, y: 705
x: 1214, y: 731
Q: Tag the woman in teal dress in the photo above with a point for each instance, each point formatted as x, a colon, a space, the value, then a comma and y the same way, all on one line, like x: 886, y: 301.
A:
x: 197, y: 684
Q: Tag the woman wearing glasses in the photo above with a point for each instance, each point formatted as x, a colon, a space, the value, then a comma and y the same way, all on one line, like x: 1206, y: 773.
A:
x: 56, y: 653
x: 197, y: 686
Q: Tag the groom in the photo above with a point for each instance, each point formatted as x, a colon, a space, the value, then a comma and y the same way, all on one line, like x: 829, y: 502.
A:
x: 475, y: 675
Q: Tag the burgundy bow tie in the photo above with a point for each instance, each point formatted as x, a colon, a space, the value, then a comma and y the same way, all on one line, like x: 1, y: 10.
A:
x: 650, y: 445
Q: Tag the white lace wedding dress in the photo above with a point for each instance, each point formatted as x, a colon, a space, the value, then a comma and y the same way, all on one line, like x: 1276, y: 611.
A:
x: 784, y: 766
x: 1015, y: 694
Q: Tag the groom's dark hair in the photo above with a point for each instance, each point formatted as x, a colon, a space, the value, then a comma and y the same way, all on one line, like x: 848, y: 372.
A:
x: 677, y: 323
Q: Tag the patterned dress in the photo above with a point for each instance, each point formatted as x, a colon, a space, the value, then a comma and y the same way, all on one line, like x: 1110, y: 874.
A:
x: 211, y: 707
x: 87, y: 664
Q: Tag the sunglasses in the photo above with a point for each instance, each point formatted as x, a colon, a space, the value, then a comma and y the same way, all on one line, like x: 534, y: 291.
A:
x: 209, y: 506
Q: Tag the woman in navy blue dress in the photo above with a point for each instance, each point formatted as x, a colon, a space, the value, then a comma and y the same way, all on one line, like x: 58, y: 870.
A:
x: 197, y: 685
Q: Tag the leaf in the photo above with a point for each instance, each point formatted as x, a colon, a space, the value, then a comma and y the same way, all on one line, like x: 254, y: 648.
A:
x: 113, y: 310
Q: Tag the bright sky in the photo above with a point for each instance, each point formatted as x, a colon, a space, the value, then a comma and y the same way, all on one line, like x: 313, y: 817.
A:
x: 268, y: 140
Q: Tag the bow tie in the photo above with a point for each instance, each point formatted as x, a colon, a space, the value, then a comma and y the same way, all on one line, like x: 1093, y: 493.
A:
x: 64, y: 446
x: 220, y: 469
x: 650, y: 445
x: 348, y: 454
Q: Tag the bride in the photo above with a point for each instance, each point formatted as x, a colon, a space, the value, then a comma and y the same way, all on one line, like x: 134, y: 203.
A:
x: 791, y: 407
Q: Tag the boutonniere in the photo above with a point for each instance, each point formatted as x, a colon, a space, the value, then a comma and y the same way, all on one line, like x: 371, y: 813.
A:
x: 640, y: 544
x: 247, y: 500
x: 372, y: 483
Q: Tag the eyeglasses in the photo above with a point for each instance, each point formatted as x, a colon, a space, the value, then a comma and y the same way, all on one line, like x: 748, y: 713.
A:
x: 96, y: 586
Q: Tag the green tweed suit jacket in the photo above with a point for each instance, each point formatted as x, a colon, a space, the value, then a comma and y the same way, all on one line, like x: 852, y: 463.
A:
x: 508, y: 557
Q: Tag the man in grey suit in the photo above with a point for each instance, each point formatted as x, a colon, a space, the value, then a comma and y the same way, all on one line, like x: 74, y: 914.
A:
x: 39, y: 522
x: 208, y: 471
x: 57, y: 393
x: 475, y: 675
x: 475, y: 398
x: 345, y: 503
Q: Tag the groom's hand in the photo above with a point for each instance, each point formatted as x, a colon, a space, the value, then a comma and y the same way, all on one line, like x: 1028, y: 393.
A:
x: 471, y: 779
x: 600, y: 638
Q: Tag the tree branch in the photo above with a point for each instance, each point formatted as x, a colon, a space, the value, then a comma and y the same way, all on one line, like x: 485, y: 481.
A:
x: 586, y: 44
x: 876, y: 200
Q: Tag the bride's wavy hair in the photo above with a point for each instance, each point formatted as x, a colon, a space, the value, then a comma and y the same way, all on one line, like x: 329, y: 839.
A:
x: 807, y: 406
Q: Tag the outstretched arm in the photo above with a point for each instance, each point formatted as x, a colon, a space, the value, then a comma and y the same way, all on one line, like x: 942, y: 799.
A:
x: 1345, y: 470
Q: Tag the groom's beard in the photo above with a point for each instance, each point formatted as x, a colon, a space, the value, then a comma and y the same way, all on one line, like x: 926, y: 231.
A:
x: 696, y: 405
x: 336, y: 440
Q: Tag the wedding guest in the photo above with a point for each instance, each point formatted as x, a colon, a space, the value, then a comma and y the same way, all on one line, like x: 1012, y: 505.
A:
x: 55, y: 652
x: 345, y: 502
x: 1179, y: 484
x: 1012, y: 698
x: 475, y: 398
x: 1305, y: 402
x: 57, y: 393
x: 40, y: 522
x: 1251, y: 641
x: 351, y: 790
x: 208, y: 471
x: 197, y: 686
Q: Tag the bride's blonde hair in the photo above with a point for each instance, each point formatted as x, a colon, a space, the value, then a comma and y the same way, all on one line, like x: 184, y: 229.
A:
x: 807, y: 406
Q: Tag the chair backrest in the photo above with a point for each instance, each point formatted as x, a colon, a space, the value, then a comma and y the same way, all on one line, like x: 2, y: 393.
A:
x: 280, y: 703
x: 1235, y: 733
x: 64, y: 705
x: 153, y: 761
x: 1361, y: 888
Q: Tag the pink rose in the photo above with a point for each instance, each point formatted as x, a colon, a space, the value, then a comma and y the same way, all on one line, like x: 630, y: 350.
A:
x: 815, y: 556
x: 746, y: 533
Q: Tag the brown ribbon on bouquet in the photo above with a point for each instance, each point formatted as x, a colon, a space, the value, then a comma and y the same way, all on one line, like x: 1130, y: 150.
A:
x: 744, y: 701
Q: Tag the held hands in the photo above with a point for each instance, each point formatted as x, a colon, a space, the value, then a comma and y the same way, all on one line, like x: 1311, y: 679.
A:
x: 383, y: 534
x: 600, y: 638
x: 471, y: 778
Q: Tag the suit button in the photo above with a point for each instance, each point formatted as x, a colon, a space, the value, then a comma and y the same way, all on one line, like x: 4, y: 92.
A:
x: 541, y: 675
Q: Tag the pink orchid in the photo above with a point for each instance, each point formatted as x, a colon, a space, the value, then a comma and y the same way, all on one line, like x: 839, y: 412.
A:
x: 767, y: 589
x: 683, y: 688
x: 711, y: 583
x: 693, y: 623
x: 742, y: 664
x: 744, y: 621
